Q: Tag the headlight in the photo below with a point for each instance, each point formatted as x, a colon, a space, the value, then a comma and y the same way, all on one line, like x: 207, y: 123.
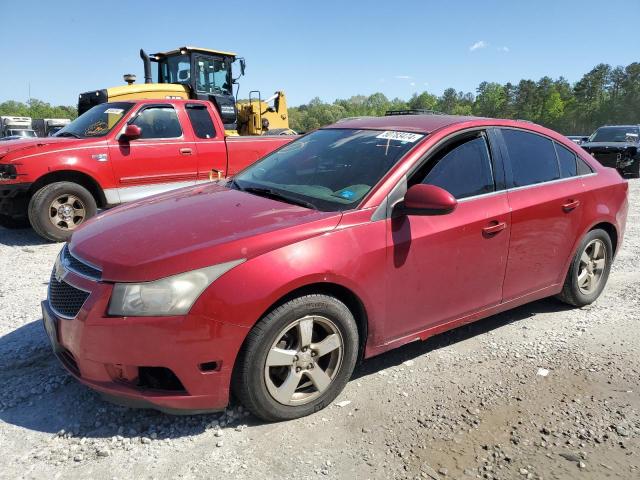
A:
x: 168, y: 296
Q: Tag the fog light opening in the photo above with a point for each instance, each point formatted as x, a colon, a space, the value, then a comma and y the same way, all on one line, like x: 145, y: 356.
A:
x: 159, y: 378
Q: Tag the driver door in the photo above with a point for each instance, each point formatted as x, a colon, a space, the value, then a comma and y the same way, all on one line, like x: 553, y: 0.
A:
x: 442, y: 268
x: 164, y: 157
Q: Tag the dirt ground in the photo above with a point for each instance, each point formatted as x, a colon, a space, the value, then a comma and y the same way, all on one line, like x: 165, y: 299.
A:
x: 471, y: 403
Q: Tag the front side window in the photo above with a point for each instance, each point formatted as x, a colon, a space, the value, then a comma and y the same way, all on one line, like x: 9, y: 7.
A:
x: 96, y: 122
x: 463, y: 168
x: 158, y: 122
x: 330, y: 169
x: 212, y: 76
x: 533, y: 158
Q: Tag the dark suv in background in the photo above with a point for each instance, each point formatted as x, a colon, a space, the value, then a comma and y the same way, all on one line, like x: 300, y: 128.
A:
x: 616, y: 146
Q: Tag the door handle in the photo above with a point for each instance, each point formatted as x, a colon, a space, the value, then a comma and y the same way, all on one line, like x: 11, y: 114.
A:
x: 571, y: 205
x: 185, y: 151
x: 495, y: 228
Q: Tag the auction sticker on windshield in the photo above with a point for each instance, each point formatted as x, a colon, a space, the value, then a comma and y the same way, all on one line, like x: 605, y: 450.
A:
x: 401, y: 136
x: 114, y: 111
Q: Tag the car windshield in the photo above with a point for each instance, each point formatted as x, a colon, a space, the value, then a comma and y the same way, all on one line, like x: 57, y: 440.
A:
x: 330, y: 169
x: 616, y: 134
x: 96, y: 122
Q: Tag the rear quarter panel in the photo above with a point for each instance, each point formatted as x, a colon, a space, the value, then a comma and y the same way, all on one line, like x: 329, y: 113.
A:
x: 243, y: 151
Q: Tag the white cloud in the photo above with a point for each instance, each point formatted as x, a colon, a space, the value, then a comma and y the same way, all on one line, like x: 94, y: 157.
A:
x: 403, y: 77
x: 478, y: 45
x: 504, y: 49
x: 413, y: 84
x: 426, y: 84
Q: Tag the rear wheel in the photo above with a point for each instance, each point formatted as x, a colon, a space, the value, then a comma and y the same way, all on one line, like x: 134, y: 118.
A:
x: 57, y: 209
x: 589, y: 269
x: 297, y: 359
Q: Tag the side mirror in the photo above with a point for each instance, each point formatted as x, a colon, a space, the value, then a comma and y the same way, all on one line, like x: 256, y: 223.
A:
x: 131, y: 132
x: 424, y: 199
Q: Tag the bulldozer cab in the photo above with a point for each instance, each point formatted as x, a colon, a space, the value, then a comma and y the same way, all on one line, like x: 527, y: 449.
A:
x: 207, y: 74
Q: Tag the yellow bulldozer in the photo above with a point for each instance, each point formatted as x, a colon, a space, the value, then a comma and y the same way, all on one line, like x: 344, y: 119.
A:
x: 203, y: 74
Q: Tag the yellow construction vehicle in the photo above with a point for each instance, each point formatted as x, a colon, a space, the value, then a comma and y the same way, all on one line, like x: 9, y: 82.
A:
x: 203, y: 74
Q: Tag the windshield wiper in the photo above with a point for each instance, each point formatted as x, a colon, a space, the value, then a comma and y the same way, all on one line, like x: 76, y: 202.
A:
x: 235, y: 185
x: 68, y: 134
x: 274, y: 194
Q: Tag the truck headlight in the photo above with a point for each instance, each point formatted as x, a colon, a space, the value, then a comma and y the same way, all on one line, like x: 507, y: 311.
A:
x: 165, y: 297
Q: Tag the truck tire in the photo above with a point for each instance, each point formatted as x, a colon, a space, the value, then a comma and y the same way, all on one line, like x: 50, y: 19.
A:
x: 13, y: 223
x: 57, y: 209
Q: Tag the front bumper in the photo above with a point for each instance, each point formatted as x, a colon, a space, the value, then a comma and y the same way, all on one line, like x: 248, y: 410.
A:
x: 14, y: 198
x: 110, y: 354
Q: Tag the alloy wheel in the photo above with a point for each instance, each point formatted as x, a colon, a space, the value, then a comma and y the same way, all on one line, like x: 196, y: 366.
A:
x: 303, y: 361
x: 592, y: 264
x: 67, y: 212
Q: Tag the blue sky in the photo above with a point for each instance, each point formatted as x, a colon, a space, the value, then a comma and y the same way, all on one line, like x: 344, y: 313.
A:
x: 330, y: 49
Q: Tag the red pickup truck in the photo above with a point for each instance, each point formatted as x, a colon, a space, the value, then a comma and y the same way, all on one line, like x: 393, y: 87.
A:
x: 115, y: 153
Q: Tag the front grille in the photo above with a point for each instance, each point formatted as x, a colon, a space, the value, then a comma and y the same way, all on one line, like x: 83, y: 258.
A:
x: 66, y: 300
x: 78, y: 266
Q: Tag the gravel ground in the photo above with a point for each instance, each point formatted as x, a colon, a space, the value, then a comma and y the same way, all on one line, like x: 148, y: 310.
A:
x: 542, y: 391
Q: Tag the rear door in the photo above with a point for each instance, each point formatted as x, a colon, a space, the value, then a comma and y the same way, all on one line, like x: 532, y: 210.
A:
x: 161, y: 159
x: 546, y: 197
x: 209, y: 143
x: 442, y: 268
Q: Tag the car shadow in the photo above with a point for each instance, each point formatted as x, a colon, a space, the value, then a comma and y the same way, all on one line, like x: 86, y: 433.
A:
x: 20, y: 237
x: 39, y: 395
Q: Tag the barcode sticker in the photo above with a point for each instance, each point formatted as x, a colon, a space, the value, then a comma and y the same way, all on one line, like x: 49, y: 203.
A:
x: 400, y: 136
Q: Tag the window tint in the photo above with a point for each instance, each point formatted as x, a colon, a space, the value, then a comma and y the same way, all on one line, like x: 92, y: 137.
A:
x: 201, y: 121
x: 464, y: 170
x: 567, y: 161
x: 533, y: 158
x: 158, y: 122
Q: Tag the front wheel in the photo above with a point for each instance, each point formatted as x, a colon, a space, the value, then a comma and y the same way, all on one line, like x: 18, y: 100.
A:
x: 57, y: 209
x: 589, y: 269
x: 297, y: 359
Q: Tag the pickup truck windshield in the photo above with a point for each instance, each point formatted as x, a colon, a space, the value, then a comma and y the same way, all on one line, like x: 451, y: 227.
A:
x: 616, y: 134
x: 96, y: 122
x: 329, y: 170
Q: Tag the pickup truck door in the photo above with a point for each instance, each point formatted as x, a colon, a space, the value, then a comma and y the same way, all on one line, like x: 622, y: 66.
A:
x: 209, y: 142
x: 161, y: 159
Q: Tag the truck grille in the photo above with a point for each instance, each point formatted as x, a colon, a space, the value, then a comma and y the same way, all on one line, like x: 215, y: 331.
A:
x: 65, y: 299
x: 78, y: 266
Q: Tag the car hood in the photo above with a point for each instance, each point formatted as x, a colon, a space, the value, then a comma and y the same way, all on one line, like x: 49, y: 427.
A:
x: 13, y: 149
x: 608, y: 147
x: 191, y: 228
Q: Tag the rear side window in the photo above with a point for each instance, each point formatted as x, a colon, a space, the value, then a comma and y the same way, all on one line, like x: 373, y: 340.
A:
x: 464, y: 169
x: 567, y: 161
x: 532, y: 157
x: 201, y: 121
x: 158, y: 122
x: 583, y: 168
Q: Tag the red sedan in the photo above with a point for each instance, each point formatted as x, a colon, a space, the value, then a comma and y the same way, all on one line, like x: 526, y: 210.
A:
x: 353, y: 240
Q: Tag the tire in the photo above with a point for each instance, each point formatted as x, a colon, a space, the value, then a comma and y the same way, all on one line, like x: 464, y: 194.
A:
x: 578, y: 290
x: 260, y: 387
x: 13, y: 223
x: 62, y: 195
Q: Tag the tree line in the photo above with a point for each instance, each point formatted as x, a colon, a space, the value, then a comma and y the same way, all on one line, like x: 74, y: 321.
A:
x: 605, y: 95
x: 37, y: 109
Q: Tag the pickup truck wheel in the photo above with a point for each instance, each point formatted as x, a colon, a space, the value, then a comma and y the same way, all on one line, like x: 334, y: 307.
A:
x: 57, y: 209
x: 12, y: 223
x: 297, y: 359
